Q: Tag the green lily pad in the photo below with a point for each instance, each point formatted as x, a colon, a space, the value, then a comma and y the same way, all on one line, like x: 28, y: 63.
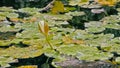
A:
x: 17, y: 52
x: 30, y: 11
x: 78, y: 2
x: 93, y: 24
x: 91, y: 6
x: 12, y: 15
x: 2, y: 18
x: 92, y: 56
x: 57, y: 17
x: 75, y: 13
x: 115, y: 48
x: 7, y: 9
x: 95, y: 29
x: 4, y: 61
x: 118, y: 60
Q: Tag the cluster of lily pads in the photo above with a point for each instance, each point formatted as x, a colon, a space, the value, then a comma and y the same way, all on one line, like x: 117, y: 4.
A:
x: 20, y: 36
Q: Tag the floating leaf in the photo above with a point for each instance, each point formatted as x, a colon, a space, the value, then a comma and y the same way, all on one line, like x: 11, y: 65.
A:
x: 4, y: 61
x: 67, y: 9
x: 112, y: 19
x: 45, y: 65
x: 58, y: 7
x: 28, y: 10
x: 17, y: 52
x: 97, y: 11
x: 115, y: 48
x: 2, y: 18
x: 7, y: 9
x: 3, y: 15
x: 12, y: 15
x: 51, y: 53
x: 118, y: 59
x: 118, y: 9
x: 14, y: 19
x: 66, y: 49
x: 27, y: 37
x: 113, y: 26
x: 93, y: 24
x: 95, y: 29
x: 107, y: 2
x: 91, y: 56
x: 104, y: 40
x: 91, y: 6
x: 28, y: 29
x: 68, y: 40
x: 28, y: 20
x: 75, y: 13
x: 78, y: 2
x: 29, y: 66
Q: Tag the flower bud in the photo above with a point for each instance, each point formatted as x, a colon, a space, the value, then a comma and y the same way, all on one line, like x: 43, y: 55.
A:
x: 43, y: 27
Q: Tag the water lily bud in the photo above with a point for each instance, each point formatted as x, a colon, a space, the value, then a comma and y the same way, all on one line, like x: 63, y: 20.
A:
x: 43, y: 27
x: 97, y: 11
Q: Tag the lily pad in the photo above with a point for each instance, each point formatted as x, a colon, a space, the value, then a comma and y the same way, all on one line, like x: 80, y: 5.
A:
x: 30, y: 11
x: 7, y: 9
x: 78, y: 2
x: 4, y: 61
x: 75, y: 13
x: 17, y: 52
x: 12, y: 15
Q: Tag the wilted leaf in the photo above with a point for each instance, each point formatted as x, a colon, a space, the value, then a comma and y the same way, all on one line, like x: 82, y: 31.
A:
x: 58, y: 7
x: 68, y: 40
x: 107, y: 2
x: 29, y: 66
x: 15, y: 19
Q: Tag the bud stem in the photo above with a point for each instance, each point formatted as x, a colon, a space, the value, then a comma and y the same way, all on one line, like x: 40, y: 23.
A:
x: 49, y: 42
